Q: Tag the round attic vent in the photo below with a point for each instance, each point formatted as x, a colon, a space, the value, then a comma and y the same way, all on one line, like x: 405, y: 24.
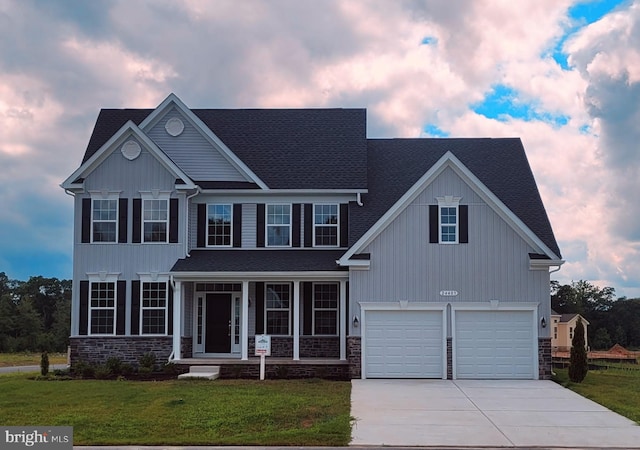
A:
x: 130, y: 150
x: 174, y: 126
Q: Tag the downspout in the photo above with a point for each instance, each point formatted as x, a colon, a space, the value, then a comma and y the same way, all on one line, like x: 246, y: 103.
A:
x: 172, y: 283
x: 359, y: 199
x: 187, y: 219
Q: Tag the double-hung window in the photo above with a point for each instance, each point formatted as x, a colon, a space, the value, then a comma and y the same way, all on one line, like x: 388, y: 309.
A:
x: 325, y: 308
x: 278, y: 225
x: 277, y: 306
x: 104, y: 219
x: 154, y: 308
x: 325, y: 225
x: 448, y: 219
x: 219, y: 225
x: 155, y: 220
x: 102, y: 307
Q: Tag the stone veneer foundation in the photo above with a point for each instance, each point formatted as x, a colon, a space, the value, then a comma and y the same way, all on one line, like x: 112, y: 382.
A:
x: 545, y: 362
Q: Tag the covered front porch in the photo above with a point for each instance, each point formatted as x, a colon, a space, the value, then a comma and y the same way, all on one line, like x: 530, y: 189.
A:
x: 216, y: 317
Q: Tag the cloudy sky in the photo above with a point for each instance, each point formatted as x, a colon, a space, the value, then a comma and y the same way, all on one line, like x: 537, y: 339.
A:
x: 563, y: 75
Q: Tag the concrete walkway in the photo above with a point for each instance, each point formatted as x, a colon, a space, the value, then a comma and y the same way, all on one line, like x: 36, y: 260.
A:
x: 477, y: 413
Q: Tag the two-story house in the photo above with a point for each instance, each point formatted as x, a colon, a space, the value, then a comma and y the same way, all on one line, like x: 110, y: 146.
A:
x: 198, y: 229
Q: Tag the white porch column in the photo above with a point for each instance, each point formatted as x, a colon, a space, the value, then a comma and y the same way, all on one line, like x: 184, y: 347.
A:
x: 177, y: 320
x: 244, y: 329
x: 343, y: 320
x: 296, y: 320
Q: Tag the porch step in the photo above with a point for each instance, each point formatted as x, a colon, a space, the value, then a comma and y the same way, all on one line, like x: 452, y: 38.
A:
x: 208, y: 372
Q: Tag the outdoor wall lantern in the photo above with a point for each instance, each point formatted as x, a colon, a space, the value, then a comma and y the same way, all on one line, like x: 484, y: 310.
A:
x: 356, y: 322
x: 543, y: 323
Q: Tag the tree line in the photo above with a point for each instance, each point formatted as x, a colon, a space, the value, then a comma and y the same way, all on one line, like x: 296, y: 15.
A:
x: 35, y: 315
x: 611, y: 320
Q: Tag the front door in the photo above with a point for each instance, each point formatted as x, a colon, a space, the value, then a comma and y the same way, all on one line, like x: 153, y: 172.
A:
x: 218, y: 324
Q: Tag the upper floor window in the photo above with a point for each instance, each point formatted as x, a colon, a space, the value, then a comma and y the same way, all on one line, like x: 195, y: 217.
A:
x: 277, y: 305
x: 325, y: 225
x: 155, y: 220
x: 219, y: 225
x: 104, y: 223
x: 102, y: 307
x: 278, y: 225
x: 154, y: 308
x: 448, y: 219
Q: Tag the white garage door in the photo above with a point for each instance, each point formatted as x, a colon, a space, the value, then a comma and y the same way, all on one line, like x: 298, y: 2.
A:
x: 403, y: 344
x: 494, y: 345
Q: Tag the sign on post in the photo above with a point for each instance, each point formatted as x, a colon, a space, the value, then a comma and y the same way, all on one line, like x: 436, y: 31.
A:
x: 263, y: 349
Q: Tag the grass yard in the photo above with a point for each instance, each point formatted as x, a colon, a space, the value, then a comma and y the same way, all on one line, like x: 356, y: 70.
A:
x: 29, y: 359
x: 616, y: 388
x: 193, y: 412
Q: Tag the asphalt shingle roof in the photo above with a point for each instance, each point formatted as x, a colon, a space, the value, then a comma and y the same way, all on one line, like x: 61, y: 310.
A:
x: 294, y: 260
x: 286, y: 148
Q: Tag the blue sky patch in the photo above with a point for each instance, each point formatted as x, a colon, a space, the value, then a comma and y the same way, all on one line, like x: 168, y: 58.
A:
x: 427, y: 40
x: 434, y: 131
x: 504, y: 103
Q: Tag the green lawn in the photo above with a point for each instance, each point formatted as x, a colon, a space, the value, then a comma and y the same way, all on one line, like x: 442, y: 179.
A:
x: 222, y: 412
x: 29, y: 359
x: 616, y: 388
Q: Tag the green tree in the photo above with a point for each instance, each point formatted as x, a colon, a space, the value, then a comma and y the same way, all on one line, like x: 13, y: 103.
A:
x: 601, y: 339
x: 578, y: 364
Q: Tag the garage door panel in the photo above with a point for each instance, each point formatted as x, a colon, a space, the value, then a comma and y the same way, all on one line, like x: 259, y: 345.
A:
x: 494, y: 344
x: 403, y: 344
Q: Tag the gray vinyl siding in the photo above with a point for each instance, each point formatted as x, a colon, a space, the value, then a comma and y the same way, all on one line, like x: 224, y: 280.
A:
x: 193, y: 153
x: 494, y: 265
x: 249, y: 212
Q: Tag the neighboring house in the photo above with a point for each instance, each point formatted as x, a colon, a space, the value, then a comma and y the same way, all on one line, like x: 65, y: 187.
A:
x: 562, y: 328
x: 196, y: 230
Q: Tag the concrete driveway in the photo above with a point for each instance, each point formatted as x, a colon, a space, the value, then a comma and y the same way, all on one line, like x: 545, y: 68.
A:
x: 477, y: 413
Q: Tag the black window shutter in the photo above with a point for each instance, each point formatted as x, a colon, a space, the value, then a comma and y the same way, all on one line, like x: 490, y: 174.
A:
x: 307, y: 307
x: 136, y: 233
x: 84, y: 308
x: 259, y: 307
x: 260, y: 225
x: 173, y: 220
x: 86, y: 221
x: 170, y: 310
x: 308, y: 225
x: 122, y: 220
x: 344, y: 225
x: 433, y: 224
x: 295, y: 223
x: 135, y: 307
x: 121, y: 308
x: 202, y: 225
x: 237, y: 225
x: 463, y: 236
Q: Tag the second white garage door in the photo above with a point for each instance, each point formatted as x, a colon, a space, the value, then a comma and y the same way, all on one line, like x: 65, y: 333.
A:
x: 494, y: 345
x: 403, y: 344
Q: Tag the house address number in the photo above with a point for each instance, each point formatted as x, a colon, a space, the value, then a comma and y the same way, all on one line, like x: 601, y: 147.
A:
x: 448, y: 293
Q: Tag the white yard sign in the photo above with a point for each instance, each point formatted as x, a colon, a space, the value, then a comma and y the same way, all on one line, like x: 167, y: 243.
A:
x: 263, y: 348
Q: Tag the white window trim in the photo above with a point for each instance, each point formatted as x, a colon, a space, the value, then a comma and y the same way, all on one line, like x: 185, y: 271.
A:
x: 449, y: 201
x: 314, y: 309
x: 266, y: 224
x: 103, y: 277
x: 337, y: 225
x: 267, y: 309
x: 153, y: 278
x: 105, y: 195
x: 155, y: 195
x: 231, y: 233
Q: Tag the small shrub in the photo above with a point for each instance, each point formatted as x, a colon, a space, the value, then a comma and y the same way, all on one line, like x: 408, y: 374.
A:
x: 44, y: 364
x: 171, y: 368
x: 83, y: 370
x: 127, y: 369
x: 102, y: 373
x: 148, y: 361
x: 61, y: 372
x: 114, y: 366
